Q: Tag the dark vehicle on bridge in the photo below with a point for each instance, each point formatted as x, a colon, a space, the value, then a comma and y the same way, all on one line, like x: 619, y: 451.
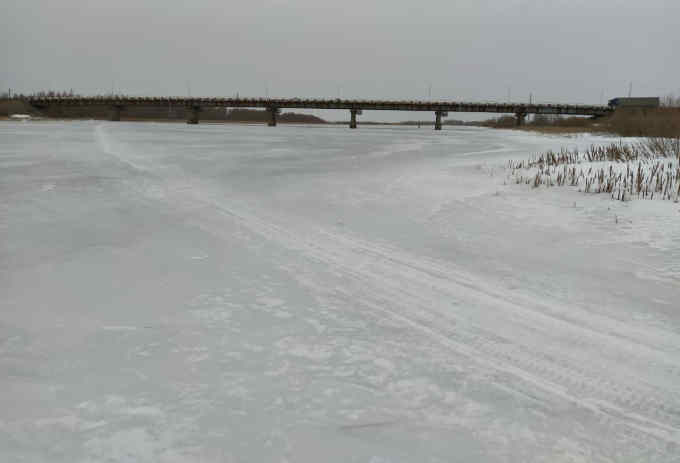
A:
x: 637, y: 102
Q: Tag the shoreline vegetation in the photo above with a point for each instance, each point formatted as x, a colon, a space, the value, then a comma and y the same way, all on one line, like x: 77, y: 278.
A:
x: 663, y: 121
x: 658, y: 122
x: 649, y: 169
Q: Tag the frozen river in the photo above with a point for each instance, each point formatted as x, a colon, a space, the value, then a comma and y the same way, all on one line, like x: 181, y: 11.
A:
x: 314, y: 294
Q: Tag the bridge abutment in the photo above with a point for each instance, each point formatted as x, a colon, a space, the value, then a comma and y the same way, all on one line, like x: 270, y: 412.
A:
x: 194, y: 112
x: 353, y: 118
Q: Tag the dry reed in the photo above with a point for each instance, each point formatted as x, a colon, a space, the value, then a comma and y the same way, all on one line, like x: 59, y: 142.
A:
x: 645, y: 170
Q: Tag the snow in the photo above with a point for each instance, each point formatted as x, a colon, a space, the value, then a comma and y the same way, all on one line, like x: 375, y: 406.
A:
x: 223, y: 293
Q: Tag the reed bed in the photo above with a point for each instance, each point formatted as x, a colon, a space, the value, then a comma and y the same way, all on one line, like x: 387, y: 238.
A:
x: 649, y: 169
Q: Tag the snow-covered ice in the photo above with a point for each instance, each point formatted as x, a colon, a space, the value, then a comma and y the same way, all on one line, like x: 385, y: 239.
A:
x: 230, y: 293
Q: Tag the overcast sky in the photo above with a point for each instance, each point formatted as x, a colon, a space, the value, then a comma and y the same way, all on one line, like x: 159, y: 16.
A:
x: 572, y: 51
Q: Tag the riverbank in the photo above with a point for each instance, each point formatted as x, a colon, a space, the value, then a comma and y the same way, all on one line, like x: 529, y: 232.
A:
x: 659, y: 122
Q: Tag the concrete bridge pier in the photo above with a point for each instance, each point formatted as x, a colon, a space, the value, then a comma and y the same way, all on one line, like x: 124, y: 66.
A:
x: 438, y: 119
x: 115, y: 112
x: 521, y: 118
x: 272, y: 116
x: 353, y: 118
x: 193, y: 116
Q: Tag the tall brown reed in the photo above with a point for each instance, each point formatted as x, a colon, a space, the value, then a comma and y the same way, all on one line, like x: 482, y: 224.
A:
x: 646, y: 170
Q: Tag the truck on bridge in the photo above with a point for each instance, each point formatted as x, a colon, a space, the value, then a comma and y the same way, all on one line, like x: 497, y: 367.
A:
x: 635, y: 102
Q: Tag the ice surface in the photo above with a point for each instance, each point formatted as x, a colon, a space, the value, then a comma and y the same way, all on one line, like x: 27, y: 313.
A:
x: 302, y: 294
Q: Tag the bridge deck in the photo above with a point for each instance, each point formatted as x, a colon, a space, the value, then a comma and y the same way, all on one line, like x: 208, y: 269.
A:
x: 297, y: 103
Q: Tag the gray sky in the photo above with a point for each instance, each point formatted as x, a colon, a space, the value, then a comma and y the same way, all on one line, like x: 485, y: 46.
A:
x: 569, y: 51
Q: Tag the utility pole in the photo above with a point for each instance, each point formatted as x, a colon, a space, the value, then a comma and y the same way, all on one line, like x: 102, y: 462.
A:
x: 630, y: 89
x: 429, y: 90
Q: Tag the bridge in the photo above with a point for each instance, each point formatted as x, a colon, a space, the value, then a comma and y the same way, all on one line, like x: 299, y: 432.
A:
x: 355, y: 107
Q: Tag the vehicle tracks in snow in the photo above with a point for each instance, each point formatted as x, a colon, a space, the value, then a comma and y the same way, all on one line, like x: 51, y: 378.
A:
x: 627, y: 375
x: 511, y: 334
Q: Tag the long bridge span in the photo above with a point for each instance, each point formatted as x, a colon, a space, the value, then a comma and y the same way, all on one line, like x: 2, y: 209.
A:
x: 118, y: 104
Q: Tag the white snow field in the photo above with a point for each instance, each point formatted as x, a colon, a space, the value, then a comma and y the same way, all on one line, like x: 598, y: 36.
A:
x: 231, y: 293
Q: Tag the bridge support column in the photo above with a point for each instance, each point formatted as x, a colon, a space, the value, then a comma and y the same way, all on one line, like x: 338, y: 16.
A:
x: 272, y: 116
x: 353, y: 118
x: 193, y: 116
x: 115, y: 113
x: 438, y: 120
x: 521, y: 117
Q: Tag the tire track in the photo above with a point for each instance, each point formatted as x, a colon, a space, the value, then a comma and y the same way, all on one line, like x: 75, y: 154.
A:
x: 411, y: 290
x: 454, y: 309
